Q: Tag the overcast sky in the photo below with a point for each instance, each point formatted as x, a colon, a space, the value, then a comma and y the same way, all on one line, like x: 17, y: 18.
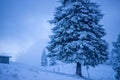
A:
x: 23, y: 23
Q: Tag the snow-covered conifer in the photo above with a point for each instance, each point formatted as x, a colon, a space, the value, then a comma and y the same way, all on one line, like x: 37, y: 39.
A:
x: 110, y: 59
x: 116, y: 58
x: 44, y: 58
x: 77, y: 35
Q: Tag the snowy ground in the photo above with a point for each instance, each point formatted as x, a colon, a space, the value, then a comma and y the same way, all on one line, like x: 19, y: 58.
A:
x: 18, y: 71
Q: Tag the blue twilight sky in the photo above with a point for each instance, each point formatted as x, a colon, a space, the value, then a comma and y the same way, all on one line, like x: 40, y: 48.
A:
x: 23, y: 23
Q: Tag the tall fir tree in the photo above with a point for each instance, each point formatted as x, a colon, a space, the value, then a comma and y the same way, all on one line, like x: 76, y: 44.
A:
x: 44, y: 58
x: 77, y: 35
x: 116, y: 58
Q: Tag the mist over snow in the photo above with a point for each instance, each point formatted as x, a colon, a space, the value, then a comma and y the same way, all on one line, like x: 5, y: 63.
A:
x: 24, y: 30
x: 33, y: 54
x: 79, y: 48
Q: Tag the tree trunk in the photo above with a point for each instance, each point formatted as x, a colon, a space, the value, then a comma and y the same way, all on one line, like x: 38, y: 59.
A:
x: 78, y: 70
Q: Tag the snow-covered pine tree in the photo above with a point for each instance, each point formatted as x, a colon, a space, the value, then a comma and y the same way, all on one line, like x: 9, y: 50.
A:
x: 77, y: 35
x: 44, y: 58
x: 116, y: 58
x: 110, y: 60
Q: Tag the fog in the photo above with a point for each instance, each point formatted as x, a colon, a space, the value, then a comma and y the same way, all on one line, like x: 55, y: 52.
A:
x: 24, y: 30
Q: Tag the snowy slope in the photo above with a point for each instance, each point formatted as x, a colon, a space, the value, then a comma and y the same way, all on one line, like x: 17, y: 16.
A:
x: 100, y: 72
x: 18, y: 71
